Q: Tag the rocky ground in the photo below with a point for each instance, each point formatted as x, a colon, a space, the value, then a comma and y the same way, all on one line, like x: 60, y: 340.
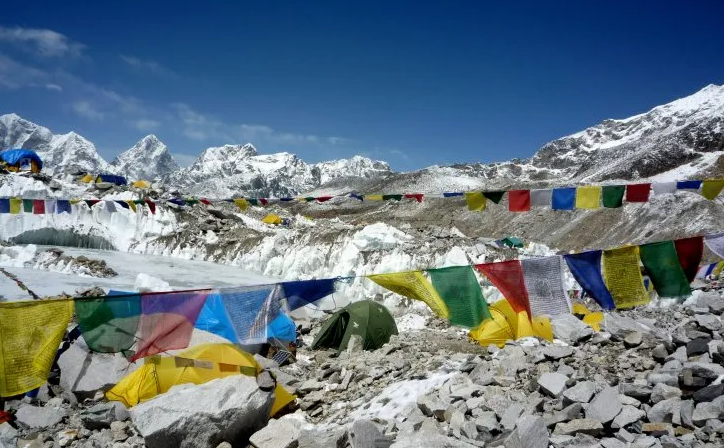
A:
x: 651, y: 378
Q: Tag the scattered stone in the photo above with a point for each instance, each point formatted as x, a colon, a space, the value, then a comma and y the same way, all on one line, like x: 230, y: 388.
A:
x: 281, y: 433
x: 705, y: 369
x: 569, y: 328
x: 697, y: 346
x: 552, y: 384
x: 582, y: 425
x: 664, y: 410
x: 704, y: 412
x: 102, y: 415
x: 663, y: 392
x: 605, y: 405
x: 633, y: 339
x: 487, y: 421
x: 228, y: 409
x: 556, y: 352
x: 659, y: 352
x: 639, y: 391
x: 581, y: 392
x: 708, y: 321
x: 39, y: 417
x: 627, y: 416
x: 708, y: 393
x: 530, y: 432
x: 66, y: 437
x: 511, y: 415
x: 658, y: 429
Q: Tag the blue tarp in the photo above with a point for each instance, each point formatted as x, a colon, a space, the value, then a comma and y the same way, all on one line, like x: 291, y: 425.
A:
x: 111, y: 179
x: 18, y: 156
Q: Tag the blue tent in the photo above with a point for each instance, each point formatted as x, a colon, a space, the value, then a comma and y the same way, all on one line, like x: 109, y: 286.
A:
x: 20, y: 157
x: 111, y: 179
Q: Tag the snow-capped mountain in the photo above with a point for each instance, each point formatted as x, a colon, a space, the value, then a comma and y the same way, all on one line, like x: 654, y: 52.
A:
x: 230, y: 170
x: 147, y: 159
x: 59, y: 152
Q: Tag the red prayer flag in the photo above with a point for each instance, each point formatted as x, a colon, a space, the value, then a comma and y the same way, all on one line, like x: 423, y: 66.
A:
x: 205, y: 201
x: 519, y: 200
x: 324, y: 198
x: 638, y: 192
x: 167, y: 321
x: 507, y: 276
x: 415, y: 196
x: 39, y: 206
x: 151, y: 206
x: 264, y: 201
x: 690, y: 252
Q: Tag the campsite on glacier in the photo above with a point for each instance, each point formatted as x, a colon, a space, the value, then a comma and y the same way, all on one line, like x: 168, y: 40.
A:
x: 645, y: 376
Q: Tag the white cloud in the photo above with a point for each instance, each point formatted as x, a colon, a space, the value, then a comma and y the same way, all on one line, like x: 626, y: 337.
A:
x: 87, y: 110
x: 147, y: 65
x: 15, y: 75
x: 56, y: 87
x: 41, y: 42
x: 146, y: 125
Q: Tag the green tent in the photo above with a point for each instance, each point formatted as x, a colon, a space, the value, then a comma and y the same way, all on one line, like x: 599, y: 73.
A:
x: 512, y: 241
x: 366, y: 318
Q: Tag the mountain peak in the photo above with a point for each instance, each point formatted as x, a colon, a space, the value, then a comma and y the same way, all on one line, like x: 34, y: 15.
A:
x: 147, y: 159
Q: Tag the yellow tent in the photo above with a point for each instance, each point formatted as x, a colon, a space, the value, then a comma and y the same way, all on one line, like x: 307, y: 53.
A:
x: 507, y: 325
x: 593, y: 319
x: 272, y: 219
x: 88, y: 178
x: 141, y: 184
x: 197, y: 365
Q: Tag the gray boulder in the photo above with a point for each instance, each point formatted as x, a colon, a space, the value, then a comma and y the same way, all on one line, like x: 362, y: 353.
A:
x: 282, y: 433
x: 39, y: 418
x: 627, y: 416
x: 365, y: 433
x: 103, y: 414
x: 605, y: 406
x: 664, y: 411
x: 553, y: 384
x: 579, y: 426
x: 663, y: 392
x: 581, y: 392
x: 229, y: 409
x: 530, y: 432
x: 569, y: 328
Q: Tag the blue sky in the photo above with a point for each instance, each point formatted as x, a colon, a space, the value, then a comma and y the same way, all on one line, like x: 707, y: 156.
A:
x: 412, y: 83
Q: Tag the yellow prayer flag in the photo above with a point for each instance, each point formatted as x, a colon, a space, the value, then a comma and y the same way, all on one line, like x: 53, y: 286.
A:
x: 623, y: 277
x: 241, y: 203
x: 414, y: 286
x: 132, y: 205
x: 374, y: 197
x: 711, y: 188
x: 588, y: 197
x: 15, y: 205
x: 74, y: 201
x: 476, y: 201
x: 30, y: 334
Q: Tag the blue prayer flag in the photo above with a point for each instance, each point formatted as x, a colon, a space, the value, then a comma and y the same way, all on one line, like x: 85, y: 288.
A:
x: 451, y: 195
x: 688, y: 185
x: 564, y: 198
x: 4, y: 205
x: 357, y: 196
x: 63, y: 206
x: 177, y: 201
x: 123, y: 204
x: 301, y: 293
x: 586, y: 269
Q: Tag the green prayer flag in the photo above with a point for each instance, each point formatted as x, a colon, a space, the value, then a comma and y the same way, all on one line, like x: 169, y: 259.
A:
x: 109, y: 324
x: 495, y: 196
x: 612, y: 195
x: 28, y: 205
x: 459, y: 289
x: 253, y: 201
x: 309, y: 198
x: 191, y: 201
x: 387, y: 197
x: 139, y: 201
x: 664, y: 268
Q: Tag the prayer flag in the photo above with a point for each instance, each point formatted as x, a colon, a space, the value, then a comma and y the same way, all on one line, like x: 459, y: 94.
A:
x: 50, y: 205
x: 15, y: 205
x: 151, y: 206
x: 459, y: 289
x: 132, y: 205
x: 265, y: 201
x: 637, y: 193
x: 178, y: 201
x: 374, y: 197
x: 541, y: 198
x: 30, y: 334
x: 110, y: 207
x: 476, y: 201
x: 564, y: 198
x: 519, y: 200
x: 4, y: 205
x: 123, y: 204
x: 664, y: 269
x: 416, y: 196
x: 205, y: 201
x: 75, y: 201
x: 623, y: 277
x: 712, y: 188
x: 688, y: 185
x: 305, y: 292
x: 588, y: 197
x: 663, y: 188
x: 543, y: 278
x: 413, y: 285
x: 586, y: 269
x: 507, y: 276
x: 324, y: 198
x: 396, y: 197
x: 715, y: 243
x: 451, y: 194
x: 357, y: 196
x: 64, y: 207
x: 167, y: 321
x: 255, y: 202
x: 91, y: 202
x: 690, y: 251
x: 27, y: 206
x: 109, y: 324
x: 495, y: 196
x: 286, y: 199
x: 39, y: 206
x: 612, y: 195
x: 241, y: 203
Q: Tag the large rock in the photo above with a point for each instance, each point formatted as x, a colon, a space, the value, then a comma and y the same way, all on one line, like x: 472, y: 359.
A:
x: 556, y: 352
x: 38, y: 417
x: 579, y: 426
x: 552, y: 384
x: 103, y: 414
x: 427, y: 435
x: 627, y: 416
x: 665, y: 410
x: 605, y: 405
x: 530, y: 432
x: 621, y: 326
x: 84, y: 372
x: 569, y: 328
x: 581, y: 392
x: 708, y: 321
x: 663, y: 392
x: 365, y: 433
x: 283, y: 433
x: 229, y: 409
